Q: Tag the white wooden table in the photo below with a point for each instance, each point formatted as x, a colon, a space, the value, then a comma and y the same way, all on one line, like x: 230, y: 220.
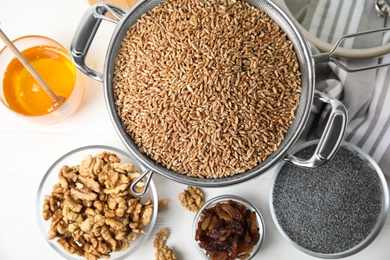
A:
x: 27, y: 151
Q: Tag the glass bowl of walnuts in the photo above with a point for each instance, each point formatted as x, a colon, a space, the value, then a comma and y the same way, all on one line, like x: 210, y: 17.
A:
x: 228, y: 227
x: 85, y: 208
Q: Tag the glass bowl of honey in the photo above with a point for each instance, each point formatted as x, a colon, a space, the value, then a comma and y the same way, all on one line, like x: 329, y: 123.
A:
x: 24, y: 96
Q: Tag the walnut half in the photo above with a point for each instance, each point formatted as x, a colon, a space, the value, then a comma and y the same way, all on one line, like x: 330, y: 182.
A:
x: 192, y: 198
x: 163, y: 252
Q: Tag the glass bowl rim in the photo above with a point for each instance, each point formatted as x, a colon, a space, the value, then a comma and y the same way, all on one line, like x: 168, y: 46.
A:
x: 226, y: 198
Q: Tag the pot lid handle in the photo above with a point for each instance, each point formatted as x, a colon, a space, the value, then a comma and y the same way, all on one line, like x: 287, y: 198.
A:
x: 332, y: 57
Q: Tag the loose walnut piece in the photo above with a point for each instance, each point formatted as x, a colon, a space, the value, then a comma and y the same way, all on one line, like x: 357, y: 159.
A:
x: 163, y: 252
x: 91, y: 210
x: 192, y: 198
x: 162, y: 203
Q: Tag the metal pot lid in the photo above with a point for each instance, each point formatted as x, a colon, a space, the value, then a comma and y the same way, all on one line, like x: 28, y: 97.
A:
x: 323, y: 22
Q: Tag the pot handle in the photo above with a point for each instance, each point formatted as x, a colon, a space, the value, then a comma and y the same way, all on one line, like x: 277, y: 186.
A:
x: 331, y: 138
x: 86, y: 31
x: 331, y: 56
x: 133, y: 187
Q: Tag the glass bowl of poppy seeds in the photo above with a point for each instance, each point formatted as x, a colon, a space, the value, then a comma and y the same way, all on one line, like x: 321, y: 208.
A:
x: 332, y: 211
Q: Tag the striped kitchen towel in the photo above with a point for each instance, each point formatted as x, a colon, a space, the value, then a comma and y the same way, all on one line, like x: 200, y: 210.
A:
x: 365, y: 94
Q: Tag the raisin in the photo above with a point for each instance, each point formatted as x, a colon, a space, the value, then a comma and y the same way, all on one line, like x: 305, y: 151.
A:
x: 237, y: 227
x: 206, y: 222
x: 219, y: 232
x: 234, y: 213
x: 222, y: 213
x: 234, y: 248
x: 219, y: 255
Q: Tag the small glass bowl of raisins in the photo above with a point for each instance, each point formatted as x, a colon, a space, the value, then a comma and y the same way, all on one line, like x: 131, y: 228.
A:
x: 228, y: 227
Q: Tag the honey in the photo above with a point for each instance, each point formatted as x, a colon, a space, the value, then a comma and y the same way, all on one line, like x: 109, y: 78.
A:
x: 24, y: 95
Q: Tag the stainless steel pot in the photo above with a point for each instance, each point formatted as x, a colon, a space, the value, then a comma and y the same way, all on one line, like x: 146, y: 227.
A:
x: 329, y: 142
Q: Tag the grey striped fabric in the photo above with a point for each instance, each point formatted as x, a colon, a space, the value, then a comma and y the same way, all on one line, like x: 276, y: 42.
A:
x: 366, y: 94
